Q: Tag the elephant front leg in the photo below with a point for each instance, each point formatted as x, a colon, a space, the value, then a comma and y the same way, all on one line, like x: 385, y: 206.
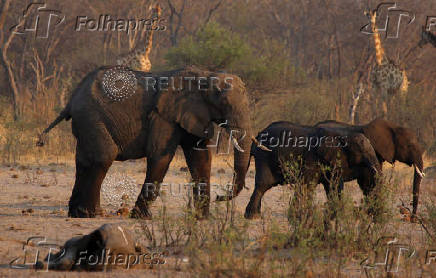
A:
x: 333, y: 192
x: 335, y: 189
x: 265, y: 179
x: 85, y: 198
x: 156, y: 170
x: 366, y: 181
x: 199, y: 164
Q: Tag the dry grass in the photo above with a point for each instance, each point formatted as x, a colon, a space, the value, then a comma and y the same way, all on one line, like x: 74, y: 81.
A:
x: 226, y: 244
x: 36, y: 184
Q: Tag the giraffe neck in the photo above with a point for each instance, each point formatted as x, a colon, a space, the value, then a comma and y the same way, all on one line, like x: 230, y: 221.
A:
x: 138, y: 59
x: 379, y: 51
x: 145, y: 64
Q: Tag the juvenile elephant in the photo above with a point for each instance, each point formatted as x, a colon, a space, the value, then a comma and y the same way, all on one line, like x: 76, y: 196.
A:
x: 391, y: 143
x: 314, y: 147
x: 98, y: 250
x: 158, y: 113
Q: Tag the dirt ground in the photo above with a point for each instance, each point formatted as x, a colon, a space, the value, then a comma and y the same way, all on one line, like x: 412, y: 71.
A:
x: 35, y: 196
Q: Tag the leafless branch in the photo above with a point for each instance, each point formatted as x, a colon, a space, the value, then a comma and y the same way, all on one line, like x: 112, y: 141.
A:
x: 174, y: 31
x: 4, y: 7
x: 212, y: 10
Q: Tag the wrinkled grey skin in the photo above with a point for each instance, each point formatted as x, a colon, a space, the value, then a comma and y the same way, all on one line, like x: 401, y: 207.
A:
x: 351, y: 154
x: 152, y: 123
x: 391, y: 143
x: 78, y: 251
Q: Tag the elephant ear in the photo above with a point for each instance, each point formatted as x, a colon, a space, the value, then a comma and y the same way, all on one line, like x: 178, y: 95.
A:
x: 188, y: 109
x: 407, y: 146
x: 382, y: 138
x: 330, y: 150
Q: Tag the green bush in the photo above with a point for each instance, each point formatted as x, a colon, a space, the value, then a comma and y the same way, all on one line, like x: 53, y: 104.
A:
x: 217, y: 48
x: 309, y: 107
x: 213, y: 47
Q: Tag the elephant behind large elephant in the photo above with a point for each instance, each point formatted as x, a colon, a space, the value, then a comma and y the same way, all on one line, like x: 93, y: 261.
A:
x: 114, y: 118
x: 311, y: 147
x: 391, y: 143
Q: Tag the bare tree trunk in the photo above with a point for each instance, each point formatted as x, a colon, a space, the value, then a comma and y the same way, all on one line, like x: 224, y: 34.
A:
x: 7, y: 64
x: 356, y: 97
x: 107, y: 38
x: 4, y: 7
x: 12, y: 83
x: 338, y: 49
x: 173, y: 27
x: 361, y: 77
x: 119, y: 42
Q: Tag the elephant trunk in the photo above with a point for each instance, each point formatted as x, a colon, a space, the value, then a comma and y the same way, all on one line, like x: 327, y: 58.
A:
x: 371, y: 161
x: 417, y: 178
x: 241, y: 163
x: 375, y: 164
x: 241, y: 157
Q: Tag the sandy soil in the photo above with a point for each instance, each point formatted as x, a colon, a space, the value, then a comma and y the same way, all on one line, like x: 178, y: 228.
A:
x: 34, y: 203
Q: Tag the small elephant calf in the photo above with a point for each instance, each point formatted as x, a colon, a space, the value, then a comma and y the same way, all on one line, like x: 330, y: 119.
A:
x: 110, y: 246
x: 351, y: 153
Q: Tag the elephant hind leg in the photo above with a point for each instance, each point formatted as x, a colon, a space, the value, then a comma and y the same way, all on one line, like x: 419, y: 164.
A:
x: 95, y: 152
x: 85, y: 198
x: 253, y: 208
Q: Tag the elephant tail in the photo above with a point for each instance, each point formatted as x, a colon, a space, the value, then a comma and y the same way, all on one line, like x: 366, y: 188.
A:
x: 64, y: 115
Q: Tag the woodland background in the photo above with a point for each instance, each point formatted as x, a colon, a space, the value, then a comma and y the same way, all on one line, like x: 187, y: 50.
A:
x: 299, y: 59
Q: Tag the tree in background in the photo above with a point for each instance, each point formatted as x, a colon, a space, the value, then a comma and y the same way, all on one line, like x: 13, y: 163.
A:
x: 217, y: 48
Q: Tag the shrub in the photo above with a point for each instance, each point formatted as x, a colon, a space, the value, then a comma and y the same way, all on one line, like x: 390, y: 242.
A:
x: 336, y: 230
x: 213, y: 47
x: 217, y: 48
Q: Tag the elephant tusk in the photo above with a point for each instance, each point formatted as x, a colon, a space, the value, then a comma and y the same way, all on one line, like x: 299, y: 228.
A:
x: 419, y: 171
x: 255, y: 140
x: 235, y: 143
x: 262, y: 147
x: 259, y: 145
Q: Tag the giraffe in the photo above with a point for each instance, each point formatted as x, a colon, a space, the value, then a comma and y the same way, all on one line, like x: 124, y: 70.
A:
x: 385, y: 75
x: 138, y: 59
x: 380, y: 52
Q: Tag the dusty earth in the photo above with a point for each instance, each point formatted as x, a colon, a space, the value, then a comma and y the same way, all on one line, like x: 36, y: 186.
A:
x: 35, y: 195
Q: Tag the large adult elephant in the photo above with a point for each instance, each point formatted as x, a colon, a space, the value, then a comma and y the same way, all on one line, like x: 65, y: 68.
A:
x: 312, y: 147
x: 391, y: 143
x: 150, y: 119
